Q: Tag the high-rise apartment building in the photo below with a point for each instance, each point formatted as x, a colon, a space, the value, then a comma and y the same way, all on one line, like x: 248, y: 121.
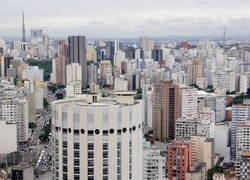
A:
x: 77, y: 54
x: 179, y: 159
x: 92, y: 73
x: 240, y: 113
x: 73, y: 81
x: 106, y: 72
x: 215, y: 101
x: 14, y: 108
x: 242, y: 137
x: 147, y: 103
x: 202, y: 150
x: 106, y: 145
x: 187, y: 126
x: 243, y: 166
x: 153, y: 166
x: 195, y: 70
x: 165, y: 110
x: 188, y: 99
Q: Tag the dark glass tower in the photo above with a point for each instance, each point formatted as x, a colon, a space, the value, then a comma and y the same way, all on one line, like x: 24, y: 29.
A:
x: 77, y: 54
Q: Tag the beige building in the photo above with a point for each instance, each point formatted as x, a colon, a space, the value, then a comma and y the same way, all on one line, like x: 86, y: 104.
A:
x: 91, y: 54
x: 165, y: 110
x: 97, y: 138
x: 195, y: 71
x: 202, y: 150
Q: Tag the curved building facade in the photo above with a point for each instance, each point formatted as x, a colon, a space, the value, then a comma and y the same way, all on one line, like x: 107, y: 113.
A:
x: 97, y: 139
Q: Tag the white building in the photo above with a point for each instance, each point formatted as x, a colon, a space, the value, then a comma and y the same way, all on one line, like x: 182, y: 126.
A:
x: 73, y: 80
x: 244, y: 82
x: 121, y: 84
x: 181, y: 78
x: 73, y: 88
x: 188, y: 98
x: 216, y: 102
x: 222, y: 140
x: 222, y: 79
x: 189, y: 125
x: 118, y: 58
x: 39, y: 99
x: 147, y: 106
x: 34, y: 72
x: 153, y: 166
x: 8, y: 129
x: 74, y: 73
x: 14, y: 108
x: 106, y: 145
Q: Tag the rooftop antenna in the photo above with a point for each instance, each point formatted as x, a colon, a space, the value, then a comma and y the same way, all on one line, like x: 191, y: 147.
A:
x: 23, y: 31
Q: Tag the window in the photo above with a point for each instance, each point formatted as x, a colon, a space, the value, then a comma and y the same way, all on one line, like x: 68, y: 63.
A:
x: 90, y: 163
x: 119, y: 145
x: 105, y: 162
x: 90, y: 154
x: 90, y: 146
x: 76, y: 154
x: 76, y: 162
x: 105, y: 154
x: 76, y: 146
x: 90, y: 171
x: 105, y: 146
x: 65, y: 144
x: 105, y: 170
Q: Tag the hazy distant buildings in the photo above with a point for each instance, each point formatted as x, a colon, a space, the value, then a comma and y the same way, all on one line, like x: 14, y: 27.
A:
x: 77, y: 54
x: 147, y: 43
x: 111, y: 49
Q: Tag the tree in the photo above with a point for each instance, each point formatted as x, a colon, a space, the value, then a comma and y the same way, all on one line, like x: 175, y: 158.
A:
x: 47, y: 129
x: 60, y: 86
x: 139, y: 90
x: 44, y: 137
x: 45, y: 103
x: 52, y: 88
x: 59, y: 96
x: 32, y: 125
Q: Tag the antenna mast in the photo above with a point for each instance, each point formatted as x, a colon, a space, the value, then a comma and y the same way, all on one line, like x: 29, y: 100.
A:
x: 224, y: 35
x: 23, y: 31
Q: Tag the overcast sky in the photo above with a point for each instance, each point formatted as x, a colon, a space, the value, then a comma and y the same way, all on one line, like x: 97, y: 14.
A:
x: 126, y: 18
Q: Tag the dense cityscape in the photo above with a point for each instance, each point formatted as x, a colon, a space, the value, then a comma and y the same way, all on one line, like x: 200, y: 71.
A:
x: 148, y: 107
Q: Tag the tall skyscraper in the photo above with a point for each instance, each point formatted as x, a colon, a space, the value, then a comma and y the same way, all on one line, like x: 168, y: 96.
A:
x: 97, y: 138
x: 165, y: 110
x: 147, y: 43
x: 77, y: 54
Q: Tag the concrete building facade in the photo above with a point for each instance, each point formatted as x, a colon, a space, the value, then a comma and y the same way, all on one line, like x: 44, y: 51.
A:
x: 107, y: 145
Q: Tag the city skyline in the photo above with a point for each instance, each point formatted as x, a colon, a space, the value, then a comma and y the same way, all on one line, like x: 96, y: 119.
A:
x: 121, y: 19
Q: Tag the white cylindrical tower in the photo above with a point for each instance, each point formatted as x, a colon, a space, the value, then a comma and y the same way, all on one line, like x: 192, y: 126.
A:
x: 97, y: 138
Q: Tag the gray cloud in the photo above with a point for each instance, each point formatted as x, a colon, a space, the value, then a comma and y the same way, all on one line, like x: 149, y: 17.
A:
x: 126, y: 18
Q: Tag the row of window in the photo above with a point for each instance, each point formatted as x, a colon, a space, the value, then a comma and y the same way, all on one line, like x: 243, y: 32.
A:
x: 97, y: 131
